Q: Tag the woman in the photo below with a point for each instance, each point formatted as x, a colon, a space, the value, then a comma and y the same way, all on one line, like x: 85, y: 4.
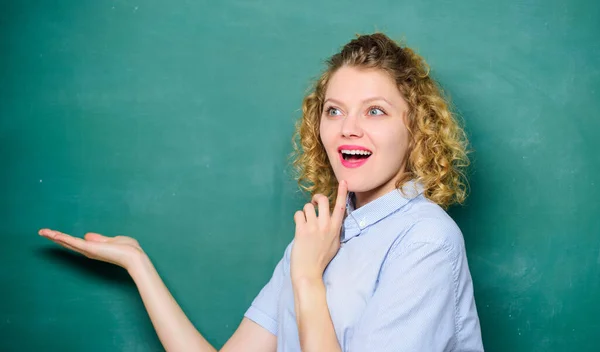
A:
x: 385, y: 269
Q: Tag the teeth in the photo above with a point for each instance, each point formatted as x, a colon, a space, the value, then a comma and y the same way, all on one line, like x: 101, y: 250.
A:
x: 356, y: 152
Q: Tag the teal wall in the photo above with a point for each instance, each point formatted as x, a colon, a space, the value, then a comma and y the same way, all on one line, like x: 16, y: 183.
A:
x: 170, y: 121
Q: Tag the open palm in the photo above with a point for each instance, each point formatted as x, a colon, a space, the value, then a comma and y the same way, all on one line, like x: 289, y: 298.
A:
x: 119, y: 250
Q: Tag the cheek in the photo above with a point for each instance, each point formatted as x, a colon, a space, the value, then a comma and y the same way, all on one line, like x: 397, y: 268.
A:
x: 403, y: 139
x: 329, y: 139
x: 393, y: 141
x: 326, y: 135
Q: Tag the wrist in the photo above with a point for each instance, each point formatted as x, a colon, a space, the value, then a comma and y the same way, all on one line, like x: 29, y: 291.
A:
x: 308, y: 290
x: 306, y: 276
x: 139, y: 264
x: 307, y: 281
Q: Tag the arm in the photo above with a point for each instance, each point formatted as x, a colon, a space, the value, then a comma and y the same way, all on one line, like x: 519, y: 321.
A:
x: 176, y: 332
x: 315, y: 327
x: 174, y: 329
x: 172, y: 326
x: 316, y: 242
x: 251, y: 337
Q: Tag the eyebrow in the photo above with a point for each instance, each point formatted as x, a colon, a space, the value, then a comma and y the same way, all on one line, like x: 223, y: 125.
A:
x: 369, y: 100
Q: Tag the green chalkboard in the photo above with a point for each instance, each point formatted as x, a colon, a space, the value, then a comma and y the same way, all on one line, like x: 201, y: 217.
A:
x: 171, y: 121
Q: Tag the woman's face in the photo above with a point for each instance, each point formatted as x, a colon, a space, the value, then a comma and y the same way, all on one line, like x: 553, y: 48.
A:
x: 363, y: 131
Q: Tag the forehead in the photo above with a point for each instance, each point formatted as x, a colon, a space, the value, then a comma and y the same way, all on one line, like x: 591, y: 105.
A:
x: 351, y: 83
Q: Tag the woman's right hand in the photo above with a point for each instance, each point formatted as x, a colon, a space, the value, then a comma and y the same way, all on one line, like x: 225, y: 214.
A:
x: 120, y: 250
x: 174, y: 329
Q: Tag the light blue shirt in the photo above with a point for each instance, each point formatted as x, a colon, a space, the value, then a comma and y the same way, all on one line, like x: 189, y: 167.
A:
x: 400, y: 282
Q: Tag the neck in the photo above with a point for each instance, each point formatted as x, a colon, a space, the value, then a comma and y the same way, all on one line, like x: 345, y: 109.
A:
x: 364, y: 198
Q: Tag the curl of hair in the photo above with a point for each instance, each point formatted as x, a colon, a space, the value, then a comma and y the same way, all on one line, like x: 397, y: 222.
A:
x: 437, y: 153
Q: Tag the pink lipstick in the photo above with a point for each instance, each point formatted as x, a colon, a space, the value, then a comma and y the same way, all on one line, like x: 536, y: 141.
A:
x: 353, y: 156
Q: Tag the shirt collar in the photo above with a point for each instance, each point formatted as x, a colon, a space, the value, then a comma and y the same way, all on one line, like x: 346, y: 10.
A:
x: 371, y: 213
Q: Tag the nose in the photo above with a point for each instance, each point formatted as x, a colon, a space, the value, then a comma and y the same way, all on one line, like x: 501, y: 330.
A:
x: 351, y: 127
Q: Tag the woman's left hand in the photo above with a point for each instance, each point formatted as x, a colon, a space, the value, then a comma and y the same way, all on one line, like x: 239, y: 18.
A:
x: 317, y: 238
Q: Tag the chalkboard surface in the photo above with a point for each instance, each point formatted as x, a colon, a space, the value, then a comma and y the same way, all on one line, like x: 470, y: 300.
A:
x: 170, y: 121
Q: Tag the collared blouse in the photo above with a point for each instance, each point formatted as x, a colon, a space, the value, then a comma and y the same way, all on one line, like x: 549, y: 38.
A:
x: 399, y: 282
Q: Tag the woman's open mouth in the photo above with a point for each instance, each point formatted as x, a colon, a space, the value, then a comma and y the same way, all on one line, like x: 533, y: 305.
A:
x: 353, y: 157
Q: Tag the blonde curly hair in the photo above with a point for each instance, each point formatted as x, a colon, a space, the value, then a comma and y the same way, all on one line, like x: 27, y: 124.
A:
x: 437, y: 153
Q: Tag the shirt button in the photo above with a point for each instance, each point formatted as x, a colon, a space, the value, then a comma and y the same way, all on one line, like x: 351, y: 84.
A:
x: 362, y: 223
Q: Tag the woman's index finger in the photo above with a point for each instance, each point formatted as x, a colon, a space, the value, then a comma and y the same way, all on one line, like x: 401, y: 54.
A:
x: 340, y: 203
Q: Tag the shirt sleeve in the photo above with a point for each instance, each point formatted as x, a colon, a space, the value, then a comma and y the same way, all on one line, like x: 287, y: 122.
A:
x: 263, y: 309
x: 414, y: 306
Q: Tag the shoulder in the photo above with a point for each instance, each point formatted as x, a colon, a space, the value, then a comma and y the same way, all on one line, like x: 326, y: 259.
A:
x: 429, y: 225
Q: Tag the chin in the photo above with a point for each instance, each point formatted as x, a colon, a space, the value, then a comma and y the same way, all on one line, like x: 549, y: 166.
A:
x: 358, y: 187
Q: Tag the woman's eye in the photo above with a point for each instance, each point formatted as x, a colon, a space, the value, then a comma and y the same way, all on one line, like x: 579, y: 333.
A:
x: 333, y: 112
x: 375, y: 112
